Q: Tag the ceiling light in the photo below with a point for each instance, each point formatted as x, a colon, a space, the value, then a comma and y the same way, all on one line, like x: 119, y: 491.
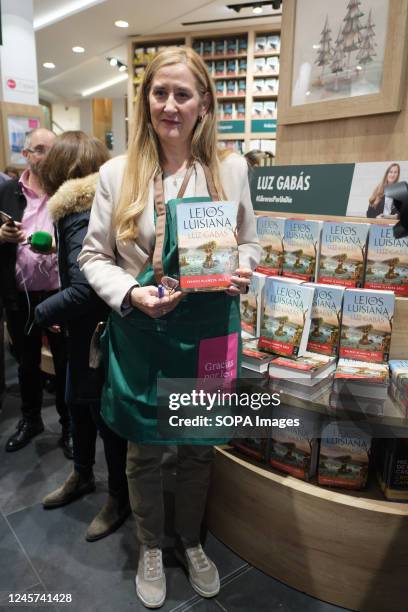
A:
x: 257, y: 10
x: 113, y: 61
x: 49, y: 65
x: 70, y: 8
x: 78, y: 49
x: 105, y: 85
x: 121, y: 24
x: 122, y: 68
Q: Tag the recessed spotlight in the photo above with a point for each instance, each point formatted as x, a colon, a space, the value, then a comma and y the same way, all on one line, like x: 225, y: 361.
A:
x: 113, y: 61
x: 49, y: 65
x: 257, y: 10
x: 121, y: 24
x: 122, y: 68
x: 78, y: 49
x: 316, y: 47
x: 359, y: 67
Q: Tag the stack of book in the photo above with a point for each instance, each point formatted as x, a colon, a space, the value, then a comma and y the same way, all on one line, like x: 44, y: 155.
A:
x: 253, y: 358
x: 308, y: 377
x: 399, y: 383
x: 360, y: 386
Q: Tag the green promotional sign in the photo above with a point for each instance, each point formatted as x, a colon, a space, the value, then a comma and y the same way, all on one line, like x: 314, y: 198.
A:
x: 263, y: 125
x: 319, y: 190
x: 235, y: 126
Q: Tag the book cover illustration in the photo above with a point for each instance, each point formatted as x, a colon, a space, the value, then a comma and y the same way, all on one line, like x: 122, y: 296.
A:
x: 348, y: 369
x: 307, y: 363
x: 324, y: 334
x: 251, y: 447
x: 207, y: 244
x: 301, y: 248
x: 294, y: 451
x: 399, y: 374
x: 286, y: 315
x: 343, y: 462
x: 271, y: 232
x: 342, y: 253
x: 366, y: 325
x: 251, y: 306
x: 387, y: 261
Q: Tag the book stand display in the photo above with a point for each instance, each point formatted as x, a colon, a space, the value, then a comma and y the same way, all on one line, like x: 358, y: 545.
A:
x: 349, y: 548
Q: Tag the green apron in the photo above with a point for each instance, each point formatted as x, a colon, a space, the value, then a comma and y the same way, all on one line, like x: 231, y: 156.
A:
x: 138, y: 350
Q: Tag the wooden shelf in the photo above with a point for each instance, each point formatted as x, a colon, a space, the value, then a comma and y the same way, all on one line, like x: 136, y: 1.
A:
x: 269, y: 75
x: 234, y: 97
x: 267, y: 54
x: 264, y: 96
x: 228, y: 76
x: 350, y: 550
x: 214, y: 58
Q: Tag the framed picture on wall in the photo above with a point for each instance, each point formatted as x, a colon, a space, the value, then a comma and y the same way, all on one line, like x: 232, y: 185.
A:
x: 341, y: 59
x: 17, y: 120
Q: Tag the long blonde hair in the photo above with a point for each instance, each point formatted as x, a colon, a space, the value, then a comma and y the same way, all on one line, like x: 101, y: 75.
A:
x: 143, y: 160
x: 378, y: 192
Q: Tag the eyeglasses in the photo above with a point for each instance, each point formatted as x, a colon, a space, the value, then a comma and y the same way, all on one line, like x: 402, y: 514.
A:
x: 39, y: 150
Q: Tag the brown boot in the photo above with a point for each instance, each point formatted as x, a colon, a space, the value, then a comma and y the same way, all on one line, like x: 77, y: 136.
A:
x: 108, y: 519
x: 74, y: 487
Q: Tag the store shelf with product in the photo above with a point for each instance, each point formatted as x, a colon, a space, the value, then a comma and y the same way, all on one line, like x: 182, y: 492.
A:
x: 344, y: 546
x: 238, y: 61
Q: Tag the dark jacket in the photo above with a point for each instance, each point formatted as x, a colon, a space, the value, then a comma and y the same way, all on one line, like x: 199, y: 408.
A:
x: 76, y: 306
x: 378, y: 209
x: 12, y: 202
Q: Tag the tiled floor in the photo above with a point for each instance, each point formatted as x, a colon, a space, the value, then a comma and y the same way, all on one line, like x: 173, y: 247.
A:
x: 45, y: 551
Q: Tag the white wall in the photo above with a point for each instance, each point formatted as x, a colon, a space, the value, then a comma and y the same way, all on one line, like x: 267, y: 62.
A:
x: 85, y: 116
x: 18, y: 60
x: 66, y: 117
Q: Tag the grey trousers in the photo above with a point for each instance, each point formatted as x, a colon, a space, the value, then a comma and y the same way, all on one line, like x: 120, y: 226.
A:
x: 144, y: 475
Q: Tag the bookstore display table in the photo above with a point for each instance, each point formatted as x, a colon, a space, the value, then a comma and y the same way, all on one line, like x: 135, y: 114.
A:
x: 350, y: 549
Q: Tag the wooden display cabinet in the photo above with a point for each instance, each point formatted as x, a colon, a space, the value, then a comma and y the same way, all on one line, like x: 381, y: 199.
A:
x: 242, y: 91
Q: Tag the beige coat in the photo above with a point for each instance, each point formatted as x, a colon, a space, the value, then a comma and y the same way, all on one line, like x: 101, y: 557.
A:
x: 111, y: 266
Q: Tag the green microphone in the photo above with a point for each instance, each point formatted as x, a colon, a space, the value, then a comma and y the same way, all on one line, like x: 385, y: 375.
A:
x: 41, y: 242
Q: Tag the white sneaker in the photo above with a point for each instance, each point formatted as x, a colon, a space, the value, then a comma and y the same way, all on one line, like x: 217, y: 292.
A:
x: 202, y: 572
x: 150, y: 578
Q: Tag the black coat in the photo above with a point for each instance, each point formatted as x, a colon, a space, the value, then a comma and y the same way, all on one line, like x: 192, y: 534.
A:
x: 76, y: 306
x: 12, y: 202
x: 378, y: 209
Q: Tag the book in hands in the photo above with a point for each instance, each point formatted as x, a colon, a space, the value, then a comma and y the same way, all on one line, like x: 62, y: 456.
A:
x: 207, y: 244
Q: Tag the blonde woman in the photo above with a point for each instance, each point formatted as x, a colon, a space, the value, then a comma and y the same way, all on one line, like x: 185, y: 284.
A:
x: 379, y: 204
x: 131, y: 243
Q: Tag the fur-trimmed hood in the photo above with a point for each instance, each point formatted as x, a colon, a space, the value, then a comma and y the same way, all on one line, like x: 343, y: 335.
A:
x: 74, y: 196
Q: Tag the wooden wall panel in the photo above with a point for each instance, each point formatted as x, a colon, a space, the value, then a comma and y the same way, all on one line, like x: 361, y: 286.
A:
x: 359, y: 139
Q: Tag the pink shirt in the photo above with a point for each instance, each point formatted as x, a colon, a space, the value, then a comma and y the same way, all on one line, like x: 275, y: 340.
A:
x: 35, y: 272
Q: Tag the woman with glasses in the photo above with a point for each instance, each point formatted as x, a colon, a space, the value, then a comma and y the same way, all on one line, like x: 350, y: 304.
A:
x: 154, y: 333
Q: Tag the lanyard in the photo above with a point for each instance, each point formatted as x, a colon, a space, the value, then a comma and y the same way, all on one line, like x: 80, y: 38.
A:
x: 160, y: 207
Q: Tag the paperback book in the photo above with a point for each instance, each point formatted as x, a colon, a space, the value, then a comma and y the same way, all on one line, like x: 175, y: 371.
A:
x: 361, y: 379
x: 207, y: 244
x: 399, y: 373
x: 301, y: 248
x: 309, y: 369
x: 254, y: 359
x: 342, y: 253
x: 343, y: 461
x: 286, y: 317
x: 324, y: 334
x: 255, y: 448
x: 392, y: 468
x: 271, y: 232
x: 294, y: 451
x: 251, y: 306
x: 366, y: 325
x: 387, y: 261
